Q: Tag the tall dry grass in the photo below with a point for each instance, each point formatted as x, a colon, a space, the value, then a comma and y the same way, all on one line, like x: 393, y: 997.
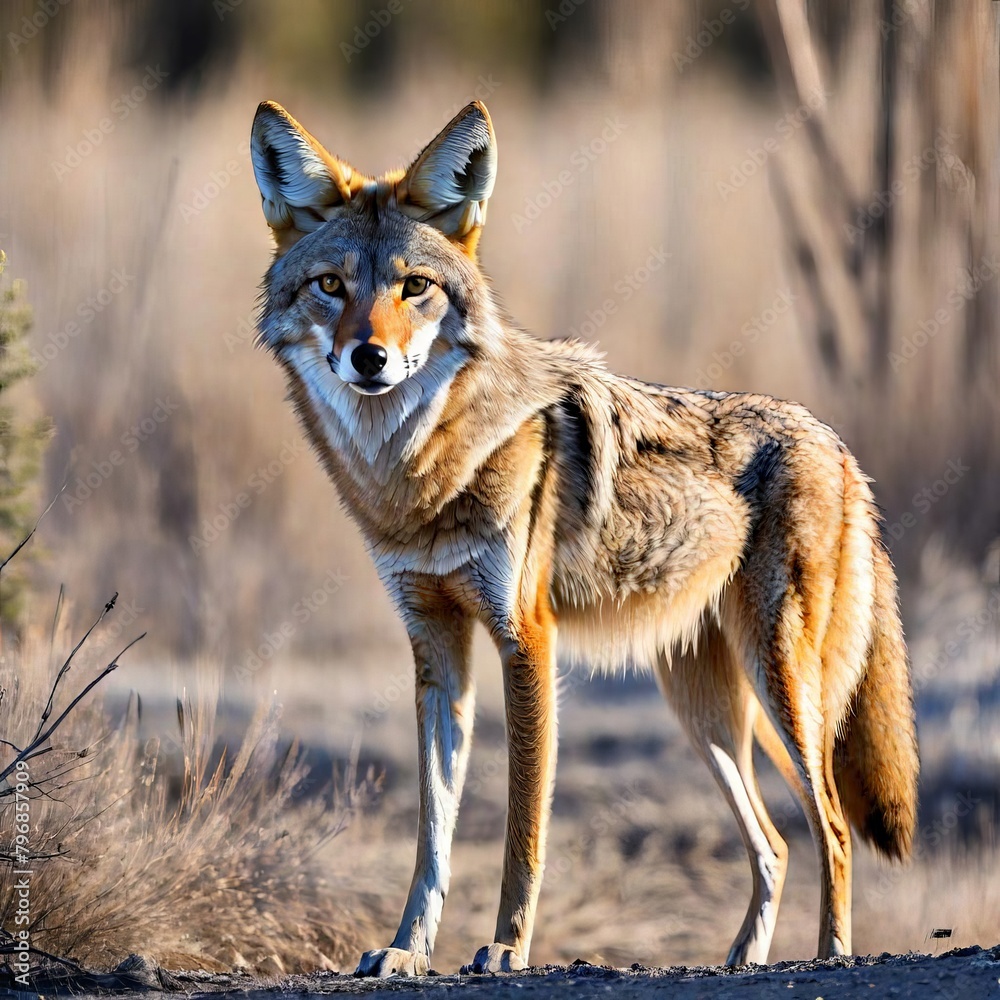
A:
x: 184, y: 851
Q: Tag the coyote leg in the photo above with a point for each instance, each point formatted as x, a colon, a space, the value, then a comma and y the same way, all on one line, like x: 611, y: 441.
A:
x: 529, y: 672
x: 441, y: 638
x: 718, y: 710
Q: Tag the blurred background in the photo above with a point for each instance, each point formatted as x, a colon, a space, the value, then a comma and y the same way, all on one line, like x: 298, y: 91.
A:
x: 793, y: 198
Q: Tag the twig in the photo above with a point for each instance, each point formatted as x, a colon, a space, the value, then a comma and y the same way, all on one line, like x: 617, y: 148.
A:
x: 55, y: 958
x: 12, y: 859
x: 69, y: 659
x: 48, y: 779
x: 56, y: 616
x: 27, y: 538
x: 7, y: 949
x: 110, y: 668
x: 36, y: 748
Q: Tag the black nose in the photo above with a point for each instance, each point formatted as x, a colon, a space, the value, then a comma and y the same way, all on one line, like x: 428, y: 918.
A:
x: 369, y: 359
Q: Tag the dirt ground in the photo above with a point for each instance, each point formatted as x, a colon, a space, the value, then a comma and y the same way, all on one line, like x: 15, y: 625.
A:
x: 967, y: 973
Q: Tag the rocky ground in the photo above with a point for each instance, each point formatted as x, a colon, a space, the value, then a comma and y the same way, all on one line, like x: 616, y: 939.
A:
x: 966, y: 973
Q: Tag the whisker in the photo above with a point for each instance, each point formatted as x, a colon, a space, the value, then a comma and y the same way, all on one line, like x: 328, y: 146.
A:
x: 412, y: 363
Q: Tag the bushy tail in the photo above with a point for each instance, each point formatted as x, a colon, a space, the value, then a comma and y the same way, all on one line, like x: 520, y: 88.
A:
x: 876, y: 762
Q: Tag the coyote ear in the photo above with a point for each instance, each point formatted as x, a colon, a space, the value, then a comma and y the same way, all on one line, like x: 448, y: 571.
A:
x: 452, y: 179
x: 302, y: 185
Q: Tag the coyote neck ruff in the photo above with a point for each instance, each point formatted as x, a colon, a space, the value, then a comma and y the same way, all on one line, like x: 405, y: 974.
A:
x: 729, y: 541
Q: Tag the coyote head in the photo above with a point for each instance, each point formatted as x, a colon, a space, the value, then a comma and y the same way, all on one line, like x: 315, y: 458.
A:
x: 373, y: 278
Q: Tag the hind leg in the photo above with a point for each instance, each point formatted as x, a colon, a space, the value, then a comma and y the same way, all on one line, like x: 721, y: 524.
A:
x: 787, y: 675
x: 832, y: 835
x: 768, y: 851
x: 835, y: 902
x: 718, y: 710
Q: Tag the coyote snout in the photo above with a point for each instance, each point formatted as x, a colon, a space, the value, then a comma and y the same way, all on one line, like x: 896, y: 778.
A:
x: 376, y: 339
x: 368, y: 359
x: 727, y: 540
x: 363, y: 366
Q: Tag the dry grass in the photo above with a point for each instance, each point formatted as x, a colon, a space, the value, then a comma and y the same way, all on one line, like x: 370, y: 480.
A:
x: 190, y: 855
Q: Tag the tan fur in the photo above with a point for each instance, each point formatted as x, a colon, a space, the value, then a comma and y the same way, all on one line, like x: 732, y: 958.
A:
x: 729, y: 540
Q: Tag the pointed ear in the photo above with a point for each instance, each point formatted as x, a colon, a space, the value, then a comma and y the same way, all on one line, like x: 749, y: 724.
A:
x: 302, y: 185
x: 452, y: 179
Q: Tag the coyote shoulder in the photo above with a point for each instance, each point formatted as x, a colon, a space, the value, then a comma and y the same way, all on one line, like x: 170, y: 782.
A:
x: 728, y: 541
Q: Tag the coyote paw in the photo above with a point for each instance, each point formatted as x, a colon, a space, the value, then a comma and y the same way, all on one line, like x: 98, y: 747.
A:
x: 384, y: 962
x: 495, y: 958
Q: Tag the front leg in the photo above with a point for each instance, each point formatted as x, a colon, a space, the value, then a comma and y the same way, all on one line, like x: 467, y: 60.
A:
x: 528, y: 651
x: 440, y: 635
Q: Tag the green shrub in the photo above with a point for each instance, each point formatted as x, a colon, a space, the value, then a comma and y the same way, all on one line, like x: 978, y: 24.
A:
x: 22, y: 442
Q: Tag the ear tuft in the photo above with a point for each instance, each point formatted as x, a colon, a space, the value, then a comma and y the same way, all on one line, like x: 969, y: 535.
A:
x: 301, y: 184
x: 451, y: 181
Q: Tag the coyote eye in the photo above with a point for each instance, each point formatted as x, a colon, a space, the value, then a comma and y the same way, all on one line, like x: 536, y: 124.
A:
x: 331, y: 284
x: 415, y: 285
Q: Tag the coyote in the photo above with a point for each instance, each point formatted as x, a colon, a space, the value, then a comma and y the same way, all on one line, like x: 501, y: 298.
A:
x: 727, y: 540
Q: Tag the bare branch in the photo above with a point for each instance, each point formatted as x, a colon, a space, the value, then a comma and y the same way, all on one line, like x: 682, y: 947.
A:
x: 69, y: 659
x: 56, y: 616
x: 36, y: 748
x: 27, y: 538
